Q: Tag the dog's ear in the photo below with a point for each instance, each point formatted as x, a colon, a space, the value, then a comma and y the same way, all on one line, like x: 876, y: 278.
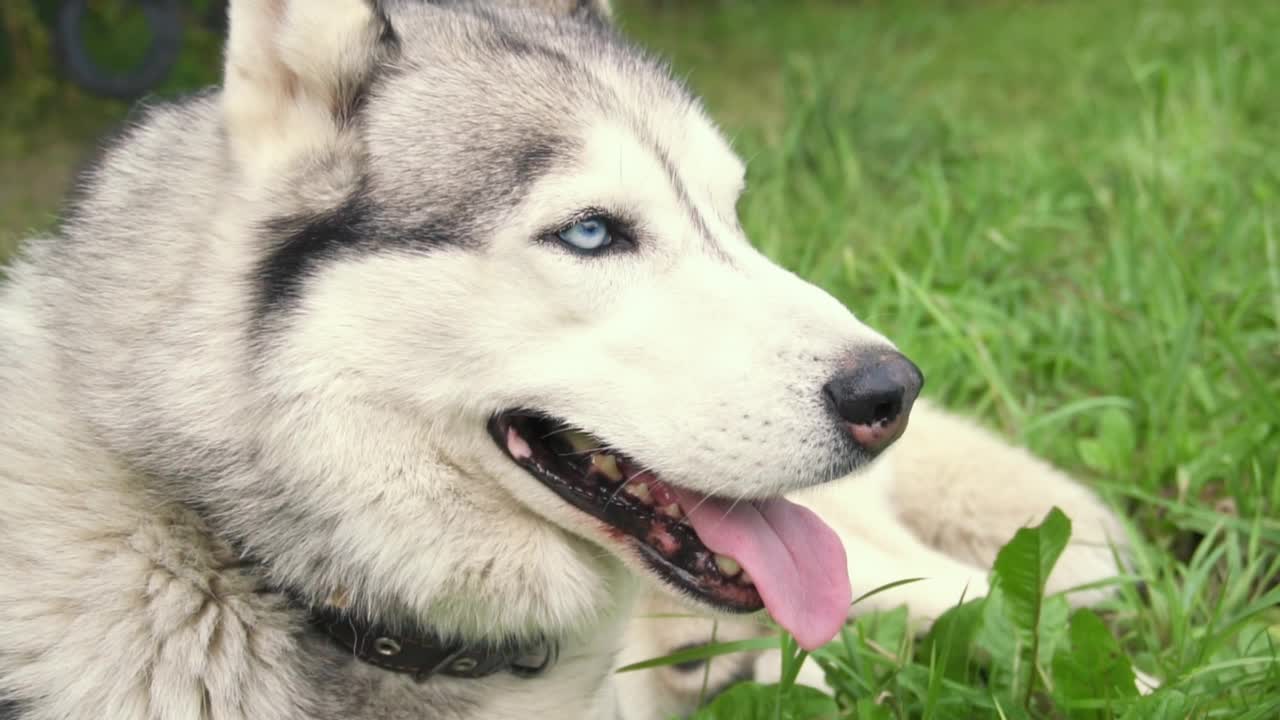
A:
x: 295, y: 71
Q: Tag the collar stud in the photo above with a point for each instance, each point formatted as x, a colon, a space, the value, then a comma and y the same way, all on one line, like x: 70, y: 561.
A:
x: 463, y: 665
x: 424, y: 655
x: 387, y: 647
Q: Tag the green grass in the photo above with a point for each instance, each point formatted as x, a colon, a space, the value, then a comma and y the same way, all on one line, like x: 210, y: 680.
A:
x: 1068, y: 213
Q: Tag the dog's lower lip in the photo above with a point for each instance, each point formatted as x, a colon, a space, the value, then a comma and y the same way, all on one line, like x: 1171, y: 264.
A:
x: 634, y: 505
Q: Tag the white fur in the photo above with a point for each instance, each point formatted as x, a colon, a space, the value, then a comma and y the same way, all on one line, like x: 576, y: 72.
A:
x: 289, y: 65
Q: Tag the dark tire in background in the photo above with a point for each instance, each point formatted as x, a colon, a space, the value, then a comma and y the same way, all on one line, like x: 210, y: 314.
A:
x: 216, y: 19
x: 164, y: 25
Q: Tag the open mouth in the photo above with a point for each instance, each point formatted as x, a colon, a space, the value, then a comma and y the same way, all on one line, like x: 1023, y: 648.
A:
x: 734, y: 555
x: 631, y: 501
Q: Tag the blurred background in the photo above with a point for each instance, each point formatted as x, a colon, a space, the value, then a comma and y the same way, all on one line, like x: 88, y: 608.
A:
x: 1066, y: 211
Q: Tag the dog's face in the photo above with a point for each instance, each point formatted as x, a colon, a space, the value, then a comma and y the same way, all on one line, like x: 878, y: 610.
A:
x: 535, y: 254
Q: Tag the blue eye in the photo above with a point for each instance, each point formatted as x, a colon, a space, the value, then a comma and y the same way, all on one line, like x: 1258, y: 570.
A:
x: 590, y: 234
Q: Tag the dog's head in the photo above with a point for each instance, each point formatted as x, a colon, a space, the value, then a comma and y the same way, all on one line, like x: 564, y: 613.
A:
x: 503, y: 304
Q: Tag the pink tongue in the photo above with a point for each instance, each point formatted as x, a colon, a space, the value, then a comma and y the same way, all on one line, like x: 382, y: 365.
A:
x: 796, y: 561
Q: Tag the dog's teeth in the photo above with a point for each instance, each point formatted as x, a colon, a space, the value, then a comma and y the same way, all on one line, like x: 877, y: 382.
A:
x: 516, y: 445
x: 580, y: 442
x: 745, y: 578
x: 728, y: 565
x: 672, y: 511
x: 639, y: 491
x: 607, y: 465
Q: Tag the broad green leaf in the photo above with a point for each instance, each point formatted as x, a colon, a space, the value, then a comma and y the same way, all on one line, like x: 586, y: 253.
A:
x: 1022, y: 568
x: 1016, y: 605
x: 1094, y: 454
x: 1114, y: 444
x: 752, y: 701
x: 1116, y: 430
x: 1094, y: 669
x: 1164, y: 703
x: 1003, y: 645
x: 1055, y: 617
x: 888, y: 629
x: 951, y: 639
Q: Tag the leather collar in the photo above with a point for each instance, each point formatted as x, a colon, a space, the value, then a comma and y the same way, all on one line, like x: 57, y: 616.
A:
x: 423, y: 656
x: 418, y: 655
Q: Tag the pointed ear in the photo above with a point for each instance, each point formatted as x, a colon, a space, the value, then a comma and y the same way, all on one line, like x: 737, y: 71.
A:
x: 295, y: 70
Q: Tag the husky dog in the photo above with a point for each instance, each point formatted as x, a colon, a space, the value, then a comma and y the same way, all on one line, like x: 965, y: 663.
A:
x: 377, y: 382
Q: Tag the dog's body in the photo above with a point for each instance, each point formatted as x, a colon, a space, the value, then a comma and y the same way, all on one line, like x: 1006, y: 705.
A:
x: 270, y: 361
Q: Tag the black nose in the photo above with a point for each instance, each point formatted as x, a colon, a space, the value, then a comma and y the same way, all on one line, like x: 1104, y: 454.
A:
x: 873, y: 397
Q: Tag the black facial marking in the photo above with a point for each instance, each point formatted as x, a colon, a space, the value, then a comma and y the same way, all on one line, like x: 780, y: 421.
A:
x: 304, y: 242
x: 300, y: 242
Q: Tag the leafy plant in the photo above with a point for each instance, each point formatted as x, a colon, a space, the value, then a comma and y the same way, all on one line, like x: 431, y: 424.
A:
x: 1016, y: 653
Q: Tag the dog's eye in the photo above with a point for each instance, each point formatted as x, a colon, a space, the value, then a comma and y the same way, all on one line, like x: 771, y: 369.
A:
x: 588, y: 235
